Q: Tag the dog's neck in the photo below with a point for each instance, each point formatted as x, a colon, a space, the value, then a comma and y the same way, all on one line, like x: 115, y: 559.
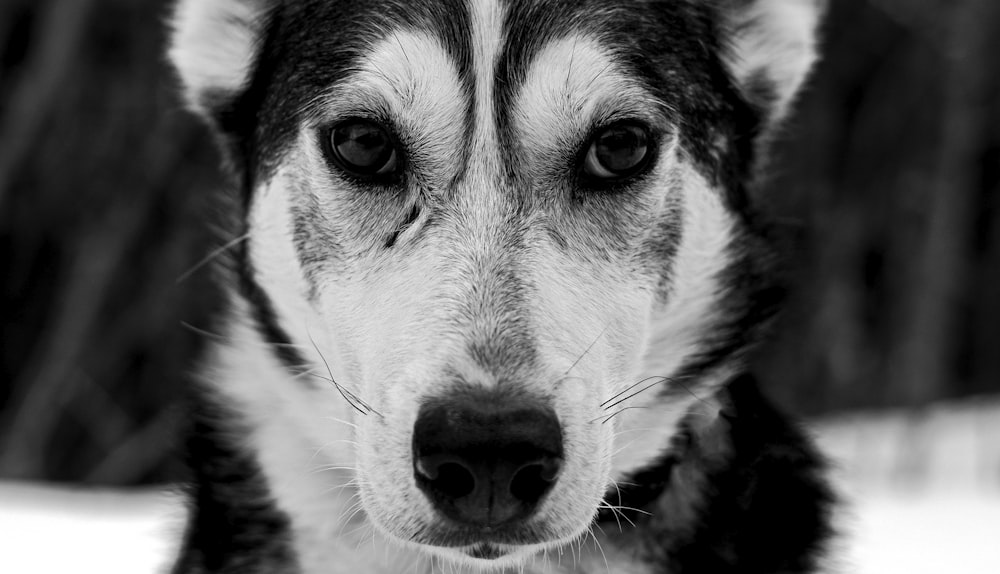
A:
x: 739, y: 490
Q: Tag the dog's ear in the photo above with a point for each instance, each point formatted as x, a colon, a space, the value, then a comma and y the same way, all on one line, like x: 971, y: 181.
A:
x: 771, y: 47
x: 214, y: 46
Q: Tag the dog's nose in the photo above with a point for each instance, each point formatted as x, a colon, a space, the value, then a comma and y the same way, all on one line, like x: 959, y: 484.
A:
x: 485, y: 462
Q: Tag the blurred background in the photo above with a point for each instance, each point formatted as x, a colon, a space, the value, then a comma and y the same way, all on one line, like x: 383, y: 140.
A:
x: 887, y: 182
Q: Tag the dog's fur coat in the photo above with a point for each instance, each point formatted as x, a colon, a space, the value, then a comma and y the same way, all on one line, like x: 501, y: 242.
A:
x: 492, y: 261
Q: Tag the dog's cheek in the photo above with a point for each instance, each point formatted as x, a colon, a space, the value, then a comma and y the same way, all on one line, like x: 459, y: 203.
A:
x: 587, y: 451
x: 385, y: 475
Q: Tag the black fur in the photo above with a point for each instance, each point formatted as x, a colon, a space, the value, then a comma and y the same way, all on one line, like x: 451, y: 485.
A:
x: 760, y: 504
x: 234, y: 527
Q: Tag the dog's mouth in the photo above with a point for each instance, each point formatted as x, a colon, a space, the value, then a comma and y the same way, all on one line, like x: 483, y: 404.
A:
x: 486, y: 551
x: 442, y: 534
x: 492, y: 551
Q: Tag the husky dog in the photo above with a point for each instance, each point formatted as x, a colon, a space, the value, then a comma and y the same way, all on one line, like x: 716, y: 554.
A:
x: 494, y: 279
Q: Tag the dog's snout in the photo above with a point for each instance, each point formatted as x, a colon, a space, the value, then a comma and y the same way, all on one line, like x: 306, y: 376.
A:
x: 485, y: 462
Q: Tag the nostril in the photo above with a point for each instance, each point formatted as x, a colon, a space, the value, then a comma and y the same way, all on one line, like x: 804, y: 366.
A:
x: 454, y: 480
x: 446, y: 475
x: 531, y: 481
x: 427, y: 469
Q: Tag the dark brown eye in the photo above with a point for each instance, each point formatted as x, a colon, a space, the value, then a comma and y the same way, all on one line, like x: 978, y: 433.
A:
x: 617, y: 152
x: 362, y: 147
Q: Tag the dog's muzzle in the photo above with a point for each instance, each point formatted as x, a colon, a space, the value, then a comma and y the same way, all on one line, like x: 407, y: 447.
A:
x: 486, y: 462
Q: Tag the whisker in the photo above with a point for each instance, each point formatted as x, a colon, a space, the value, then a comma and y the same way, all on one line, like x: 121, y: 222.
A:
x: 637, y: 393
x: 362, y: 403
x: 401, y: 48
x: 596, y: 76
x: 569, y: 69
x: 614, y: 511
x: 356, y: 508
x: 587, y: 350
x: 225, y: 338
x: 211, y: 255
x: 618, y: 508
x: 349, y: 511
x: 339, y: 488
x: 360, y: 527
x: 618, y: 514
x: 343, y: 422
x: 614, y: 414
x: 333, y: 442
x: 690, y: 392
x: 630, y: 509
x: 328, y: 467
x: 622, y: 448
x: 637, y: 429
x: 618, y: 490
x: 598, y: 543
x: 629, y: 388
x: 564, y: 377
x: 343, y: 392
x: 303, y: 372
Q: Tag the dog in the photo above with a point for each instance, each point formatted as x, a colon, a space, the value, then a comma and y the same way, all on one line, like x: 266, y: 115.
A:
x: 493, y: 278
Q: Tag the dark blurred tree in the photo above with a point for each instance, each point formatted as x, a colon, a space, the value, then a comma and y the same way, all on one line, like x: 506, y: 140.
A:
x: 888, y: 178
x: 891, y: 176
x: 103, y: 181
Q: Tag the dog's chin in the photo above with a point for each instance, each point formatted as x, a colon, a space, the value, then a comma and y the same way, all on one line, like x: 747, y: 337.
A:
x: 484, y: 557
x: 499, y: 549
x: 491, y: 557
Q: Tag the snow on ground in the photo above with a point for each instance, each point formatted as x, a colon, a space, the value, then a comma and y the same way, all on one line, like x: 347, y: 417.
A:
x: 49, y: 530
x: 922, y: 488
x: 937, y: 534
x: 922, y: 492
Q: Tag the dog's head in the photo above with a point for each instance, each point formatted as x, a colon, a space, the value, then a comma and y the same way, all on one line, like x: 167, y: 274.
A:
x: 515, y: 233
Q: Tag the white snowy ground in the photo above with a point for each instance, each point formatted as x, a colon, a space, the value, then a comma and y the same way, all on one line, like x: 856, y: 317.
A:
x: 923, y: 493
x: 923, y: 488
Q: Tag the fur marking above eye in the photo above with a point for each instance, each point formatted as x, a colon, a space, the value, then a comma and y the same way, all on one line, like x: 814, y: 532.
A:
x: 617, y: 152
x: 363, y: 148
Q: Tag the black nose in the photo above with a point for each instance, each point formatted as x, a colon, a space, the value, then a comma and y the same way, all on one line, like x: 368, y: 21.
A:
x: 485, y: 462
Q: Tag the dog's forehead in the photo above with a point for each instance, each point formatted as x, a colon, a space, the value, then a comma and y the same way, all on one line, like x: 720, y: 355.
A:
x: 312, y: 46
x: 324, y: 30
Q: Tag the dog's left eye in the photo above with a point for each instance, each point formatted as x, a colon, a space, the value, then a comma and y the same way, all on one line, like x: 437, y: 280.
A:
x: 617, y: 152
x: 363, y: 148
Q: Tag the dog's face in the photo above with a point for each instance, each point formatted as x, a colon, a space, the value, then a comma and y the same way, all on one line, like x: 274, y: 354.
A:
x: 510, y: 232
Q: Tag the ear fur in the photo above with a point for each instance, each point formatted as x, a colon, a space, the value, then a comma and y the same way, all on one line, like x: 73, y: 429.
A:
x: 772, y: 48
x: 214, y: 46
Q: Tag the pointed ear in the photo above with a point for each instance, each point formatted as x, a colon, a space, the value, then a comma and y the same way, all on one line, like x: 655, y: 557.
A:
x: 214, y: 46
x: 772, y: 47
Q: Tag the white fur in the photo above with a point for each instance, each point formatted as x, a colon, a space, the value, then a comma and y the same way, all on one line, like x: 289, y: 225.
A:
x: 776, y: 38
x: 214, y: 44
x: 487, y: 20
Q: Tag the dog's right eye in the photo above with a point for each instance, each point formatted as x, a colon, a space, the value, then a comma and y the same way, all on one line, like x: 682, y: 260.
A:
x: 617, y: 152
x: 363, y: 148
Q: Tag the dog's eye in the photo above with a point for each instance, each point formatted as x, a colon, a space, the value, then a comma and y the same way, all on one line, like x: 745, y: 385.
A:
x: 363, y: 148
x: 617, y: 152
